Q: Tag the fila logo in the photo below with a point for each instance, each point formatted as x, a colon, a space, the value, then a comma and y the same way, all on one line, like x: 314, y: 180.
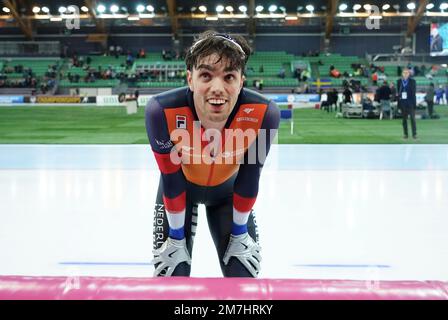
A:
x: 181, y: 122
x: 248, y: 110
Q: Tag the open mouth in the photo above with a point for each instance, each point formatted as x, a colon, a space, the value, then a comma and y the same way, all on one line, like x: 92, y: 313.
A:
x: 217, y: 104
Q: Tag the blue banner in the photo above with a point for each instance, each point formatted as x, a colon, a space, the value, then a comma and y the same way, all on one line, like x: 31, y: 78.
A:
x: 11, y: 99
x: 293, y: 98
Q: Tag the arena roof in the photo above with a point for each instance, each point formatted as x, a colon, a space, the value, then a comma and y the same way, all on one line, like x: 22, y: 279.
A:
x: 210, y: 6
x: 178, y: 14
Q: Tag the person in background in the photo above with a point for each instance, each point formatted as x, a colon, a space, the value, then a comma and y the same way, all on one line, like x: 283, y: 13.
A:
x: 348, y: 96
x: 335, y: 73
x: 375, y: 78
x: 384, y: 94
x: 332, y: 100
x: 446, y: 94
x: 142, y: 53
x: 407, y: 102
x: 366, y: 104
x: 439, y: 94
x: 429, y: 98
x: 129, y: 59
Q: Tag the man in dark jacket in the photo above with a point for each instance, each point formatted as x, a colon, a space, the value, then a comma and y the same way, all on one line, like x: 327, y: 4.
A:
x: 384, y: 96
x: 407, y: 101
x: 333, y: 99
x: 348, y: 96
x: 429, y: 98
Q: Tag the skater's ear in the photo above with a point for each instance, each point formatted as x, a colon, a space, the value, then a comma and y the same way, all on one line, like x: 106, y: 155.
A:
x: 190, y: 80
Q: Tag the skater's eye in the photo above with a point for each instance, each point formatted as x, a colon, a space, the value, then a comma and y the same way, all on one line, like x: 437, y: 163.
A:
x: 205, y: 76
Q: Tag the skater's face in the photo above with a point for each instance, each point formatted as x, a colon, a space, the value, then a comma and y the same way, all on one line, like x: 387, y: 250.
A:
x: 215, y: 87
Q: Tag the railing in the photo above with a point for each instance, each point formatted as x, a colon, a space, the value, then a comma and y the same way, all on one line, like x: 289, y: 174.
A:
x: 30, y: 48
x: 181, y: 288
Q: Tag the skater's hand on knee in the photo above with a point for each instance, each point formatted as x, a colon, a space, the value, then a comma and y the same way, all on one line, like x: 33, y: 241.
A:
x: 246, y: 250
x: 169, y: 256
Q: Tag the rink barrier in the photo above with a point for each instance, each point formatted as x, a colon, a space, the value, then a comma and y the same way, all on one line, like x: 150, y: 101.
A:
x: 181, y: 288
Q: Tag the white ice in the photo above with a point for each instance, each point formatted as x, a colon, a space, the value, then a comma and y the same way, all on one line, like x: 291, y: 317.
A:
x: 323, y: 212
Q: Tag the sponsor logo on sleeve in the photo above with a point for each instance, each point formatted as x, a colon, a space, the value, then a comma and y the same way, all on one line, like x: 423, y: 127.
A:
x: 164, y: 144
x: 247, y: 119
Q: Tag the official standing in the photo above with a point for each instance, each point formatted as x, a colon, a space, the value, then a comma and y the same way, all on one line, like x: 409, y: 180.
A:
x: 407, y: 102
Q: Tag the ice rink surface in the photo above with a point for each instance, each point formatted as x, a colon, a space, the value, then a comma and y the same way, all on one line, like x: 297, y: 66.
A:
x: 323, y: 212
